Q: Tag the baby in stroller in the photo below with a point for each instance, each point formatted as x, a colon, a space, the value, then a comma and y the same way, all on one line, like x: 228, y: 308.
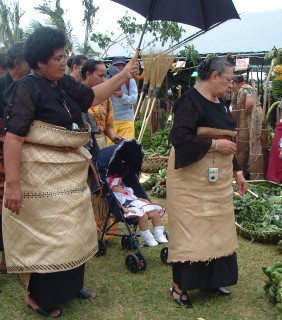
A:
x: 142, y: 209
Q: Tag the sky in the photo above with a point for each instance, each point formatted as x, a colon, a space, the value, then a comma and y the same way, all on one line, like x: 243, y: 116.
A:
x: 110, y: 12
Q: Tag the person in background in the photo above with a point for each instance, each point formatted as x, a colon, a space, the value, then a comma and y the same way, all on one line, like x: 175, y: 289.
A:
x: 46, y: 236
x: 202, y: 234
x: 123, y: 101
x: 93, y: 73
x: 2, y: 63
x: 75, y: 63
x: 237, y: 82
x: 16, y: 68
x: 241, y: 112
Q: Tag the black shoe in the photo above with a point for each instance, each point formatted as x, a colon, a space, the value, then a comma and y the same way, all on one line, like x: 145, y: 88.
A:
x: 223, y: 291
x: 184, y: 303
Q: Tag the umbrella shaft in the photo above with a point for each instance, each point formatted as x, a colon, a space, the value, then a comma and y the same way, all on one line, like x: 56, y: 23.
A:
x: 152, y: 6
x: 142, y: 34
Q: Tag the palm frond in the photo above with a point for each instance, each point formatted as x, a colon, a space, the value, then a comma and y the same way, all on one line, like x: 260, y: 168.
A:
x: 33, y: 25
x: 10, y: 15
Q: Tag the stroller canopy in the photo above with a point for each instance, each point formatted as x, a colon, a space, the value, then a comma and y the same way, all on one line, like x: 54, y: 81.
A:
x: 119, y: 159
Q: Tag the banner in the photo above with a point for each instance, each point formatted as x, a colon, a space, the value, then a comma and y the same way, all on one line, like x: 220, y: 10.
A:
x: 242, y: 64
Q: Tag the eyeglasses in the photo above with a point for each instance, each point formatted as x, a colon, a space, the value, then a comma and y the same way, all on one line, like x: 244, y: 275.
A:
x: 60, y: 59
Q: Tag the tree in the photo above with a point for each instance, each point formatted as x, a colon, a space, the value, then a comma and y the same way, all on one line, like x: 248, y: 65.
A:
x: 162, y: 31
x: 10, y: 16
x: 88, y: 20
x: 55, y: 20
x: 191, y: 54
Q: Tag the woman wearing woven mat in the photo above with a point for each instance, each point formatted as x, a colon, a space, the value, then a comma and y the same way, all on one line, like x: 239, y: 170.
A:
x: 202, y: 234
x: 49, y: 227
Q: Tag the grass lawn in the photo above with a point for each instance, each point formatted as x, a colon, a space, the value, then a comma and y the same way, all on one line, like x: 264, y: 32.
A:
x: 145, y: 295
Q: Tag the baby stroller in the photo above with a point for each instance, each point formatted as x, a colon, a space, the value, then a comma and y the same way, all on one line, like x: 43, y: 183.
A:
x: 124, y: 160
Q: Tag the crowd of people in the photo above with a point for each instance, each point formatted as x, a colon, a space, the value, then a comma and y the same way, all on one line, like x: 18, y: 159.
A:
x: 50, y: 124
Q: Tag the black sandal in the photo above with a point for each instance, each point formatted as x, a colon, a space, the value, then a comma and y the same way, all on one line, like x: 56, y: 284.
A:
x: 182, y: 302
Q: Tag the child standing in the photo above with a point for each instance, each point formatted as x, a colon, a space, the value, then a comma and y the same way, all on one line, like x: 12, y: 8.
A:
x: 143, y: 209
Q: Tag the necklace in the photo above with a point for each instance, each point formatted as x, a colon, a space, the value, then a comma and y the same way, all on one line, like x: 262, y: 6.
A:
x: 205, y: 95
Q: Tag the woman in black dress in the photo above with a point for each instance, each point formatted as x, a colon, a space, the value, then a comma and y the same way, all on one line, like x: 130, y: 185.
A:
x: 201, y: 166
x: 48, y: 223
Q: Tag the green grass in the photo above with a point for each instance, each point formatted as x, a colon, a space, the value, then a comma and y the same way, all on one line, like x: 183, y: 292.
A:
x: 145, y: 295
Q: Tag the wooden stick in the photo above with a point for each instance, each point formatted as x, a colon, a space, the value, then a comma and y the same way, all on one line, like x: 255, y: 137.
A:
x: 147, y: 119
x: 139, y: 104
x: 141, y: 133
x: 251, y: 192
x: 266, y: 89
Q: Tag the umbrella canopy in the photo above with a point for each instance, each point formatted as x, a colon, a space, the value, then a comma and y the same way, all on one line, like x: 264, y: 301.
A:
x: 198, y: 13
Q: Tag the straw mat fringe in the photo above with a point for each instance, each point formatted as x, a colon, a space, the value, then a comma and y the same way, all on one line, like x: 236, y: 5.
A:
x: 200, y: 214
x: 55, y: 230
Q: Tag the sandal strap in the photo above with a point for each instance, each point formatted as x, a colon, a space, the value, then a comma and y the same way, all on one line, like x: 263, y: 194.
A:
x: 181, y: 293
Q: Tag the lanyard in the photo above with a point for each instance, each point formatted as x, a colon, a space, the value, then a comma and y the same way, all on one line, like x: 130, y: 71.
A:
x: 213, y: 159
x: 66, y: 107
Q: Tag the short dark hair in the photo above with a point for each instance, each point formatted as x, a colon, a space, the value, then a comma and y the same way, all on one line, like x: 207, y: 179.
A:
x: 15, y: 52
x: 209, y: 65
x: 238, y: 78
x: 3, y: 56
x: 90, y: 66
x: 41, y: 44
x: 78, y: 60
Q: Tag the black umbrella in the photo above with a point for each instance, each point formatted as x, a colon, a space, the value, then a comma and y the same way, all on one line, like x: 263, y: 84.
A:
x: 202, y: 14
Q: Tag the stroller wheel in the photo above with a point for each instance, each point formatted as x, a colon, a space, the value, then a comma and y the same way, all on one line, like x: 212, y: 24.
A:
x: 164, y: 255
x: 127, y: 242
x: 132, y: 263
x: 142, y: 261
x: 102, y: 248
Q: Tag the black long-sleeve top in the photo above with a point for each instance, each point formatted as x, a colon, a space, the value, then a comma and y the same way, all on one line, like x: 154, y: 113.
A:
x: 191, y: 111
x: 36, y: 98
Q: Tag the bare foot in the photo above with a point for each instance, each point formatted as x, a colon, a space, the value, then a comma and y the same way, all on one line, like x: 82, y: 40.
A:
x: 34, y: 306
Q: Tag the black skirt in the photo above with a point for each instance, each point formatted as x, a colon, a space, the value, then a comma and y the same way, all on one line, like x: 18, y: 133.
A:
x: 49, y: 290
x: 221, y: 272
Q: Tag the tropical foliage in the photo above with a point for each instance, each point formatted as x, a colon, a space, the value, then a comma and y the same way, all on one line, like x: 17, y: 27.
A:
x: 10, y: 31
x: 56, y: 20
x: 163, y: 32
